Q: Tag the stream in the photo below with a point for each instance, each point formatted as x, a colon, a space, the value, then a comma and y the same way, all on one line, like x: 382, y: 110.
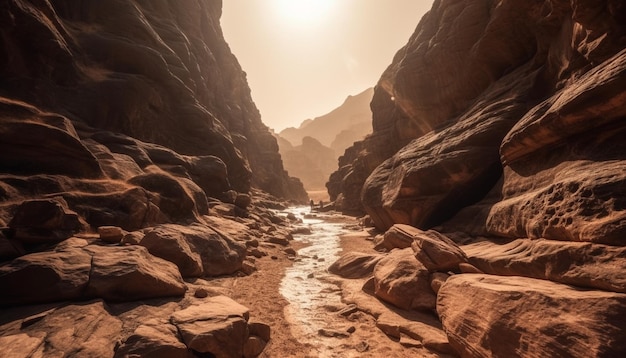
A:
x: 311, y: 291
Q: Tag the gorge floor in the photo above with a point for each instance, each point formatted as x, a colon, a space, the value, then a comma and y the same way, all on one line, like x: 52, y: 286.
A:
x: 301, y: 301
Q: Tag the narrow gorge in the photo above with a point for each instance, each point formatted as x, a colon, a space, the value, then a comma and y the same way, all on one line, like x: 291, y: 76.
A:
x: 145, y: 210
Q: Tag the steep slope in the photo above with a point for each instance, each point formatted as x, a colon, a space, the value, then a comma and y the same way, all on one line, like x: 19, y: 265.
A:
x: 132, y: 162
x: 500, y: 125
x: 151, y: 70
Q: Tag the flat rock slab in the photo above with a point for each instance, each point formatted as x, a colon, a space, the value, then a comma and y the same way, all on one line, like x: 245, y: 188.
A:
x: 213, y: 307
x: 574, y: 263
x: 514, y: 316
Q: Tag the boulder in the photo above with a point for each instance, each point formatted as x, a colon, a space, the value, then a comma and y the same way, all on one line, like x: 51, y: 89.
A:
x: 131, y: 209
x: 154, y: 341
x: 127, y: 273
x: 436, y: 251
x: 44, y: 221
x: 111, y: 234
x: 171, y: 195
x: 220, y: 254
x: 403, y: 281
x: 218, y: 327
x: 10, y: 248
x: 45, y: 277
x: 487, y: 315
x: 22, y: 345
x: 85, y: 328
x: 170, y: 243
x: 355, y: 264
x: 399, y: 236
x: 253, y: 347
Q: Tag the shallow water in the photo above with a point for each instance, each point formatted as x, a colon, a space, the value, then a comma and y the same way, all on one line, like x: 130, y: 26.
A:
x: 310, y: 289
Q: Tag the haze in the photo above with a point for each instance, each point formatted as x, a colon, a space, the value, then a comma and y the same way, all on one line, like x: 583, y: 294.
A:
x: 304, y: 57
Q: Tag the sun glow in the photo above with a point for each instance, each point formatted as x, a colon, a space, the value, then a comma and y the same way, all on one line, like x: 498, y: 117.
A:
x: 303, y: 12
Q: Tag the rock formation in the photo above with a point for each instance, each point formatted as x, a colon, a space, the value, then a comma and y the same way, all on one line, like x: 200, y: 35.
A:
x: 131, y: 158
x: 499, y: 127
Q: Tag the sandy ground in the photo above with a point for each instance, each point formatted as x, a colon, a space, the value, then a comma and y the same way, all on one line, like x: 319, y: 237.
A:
x: 260, y: 292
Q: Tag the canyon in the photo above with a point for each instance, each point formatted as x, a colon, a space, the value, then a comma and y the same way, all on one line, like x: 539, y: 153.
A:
x: 142, y: 199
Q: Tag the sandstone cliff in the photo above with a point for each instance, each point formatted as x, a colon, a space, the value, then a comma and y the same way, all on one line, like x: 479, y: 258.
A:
x: 131, y: 158
x: 500, y: 124
x: 98, y: 77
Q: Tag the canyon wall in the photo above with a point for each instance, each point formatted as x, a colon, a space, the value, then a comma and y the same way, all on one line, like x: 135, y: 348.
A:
x: 497, y: 169
x: 85, y: 85
x: 521, y: 100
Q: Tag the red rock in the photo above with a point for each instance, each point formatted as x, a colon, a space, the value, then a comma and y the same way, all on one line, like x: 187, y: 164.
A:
x: 111, y: 234
x: 45, y: 277
x: 128, y: 273
x: 514, y: 316
x: 403, y: 281
x: 170, y: 242
x: 217, y: 326
x: 154, y: 341
x: 575, y: 263
x: 354, y: 265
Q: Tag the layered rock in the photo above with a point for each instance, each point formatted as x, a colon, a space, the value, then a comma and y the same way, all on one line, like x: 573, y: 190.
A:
x: 155, y: 72
x: 481, y: 86
x: 499, y: 125
x: 487, y: 315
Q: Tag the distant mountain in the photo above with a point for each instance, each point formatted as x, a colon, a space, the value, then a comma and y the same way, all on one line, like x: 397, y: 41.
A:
x: 341, y: 127
x: 311, y: 162
x: 310, y: 152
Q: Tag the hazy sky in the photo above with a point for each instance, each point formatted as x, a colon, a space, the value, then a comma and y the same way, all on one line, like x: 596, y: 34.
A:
x: 304, y: 57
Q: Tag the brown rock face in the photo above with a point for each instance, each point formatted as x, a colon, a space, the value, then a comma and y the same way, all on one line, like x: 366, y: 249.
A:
x: 490, y: 316
x: 531, y: 87
x: 500, y: 124
x: 154, y: 71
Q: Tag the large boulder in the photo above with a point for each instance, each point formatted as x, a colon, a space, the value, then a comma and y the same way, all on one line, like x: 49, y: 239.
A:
x: 168, y: 242
x: 153, y: 341
x: 45, y: 277
x: 219, y: 327
x: 85, y: 329
x: 487, y: 316
x: 44, y: 221
x: 220, y: 254
x: 355, y: 264
x: 403, y: 281
x: 130, y: 273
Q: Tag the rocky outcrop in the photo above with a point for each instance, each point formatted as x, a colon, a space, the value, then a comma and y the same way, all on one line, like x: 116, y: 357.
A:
x: 483, y: 88
x: 127, y: 131
x: 487, y: 315
x: 90, y: 85
x: 499, y: 126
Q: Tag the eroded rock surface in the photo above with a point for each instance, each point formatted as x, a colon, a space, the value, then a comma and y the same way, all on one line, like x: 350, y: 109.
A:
x: 499, y: 126
x: 489, y: 315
